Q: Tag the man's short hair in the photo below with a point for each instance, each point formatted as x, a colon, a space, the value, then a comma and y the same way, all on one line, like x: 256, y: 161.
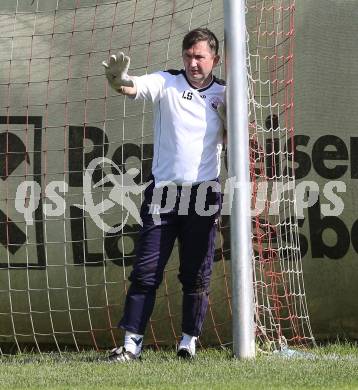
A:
x: 201, y: 34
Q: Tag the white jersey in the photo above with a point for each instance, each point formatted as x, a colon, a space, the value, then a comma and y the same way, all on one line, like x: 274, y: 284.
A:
x: 187, y: 126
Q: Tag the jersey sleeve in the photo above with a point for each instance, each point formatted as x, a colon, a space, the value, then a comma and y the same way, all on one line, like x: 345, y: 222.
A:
x: 150, y: 87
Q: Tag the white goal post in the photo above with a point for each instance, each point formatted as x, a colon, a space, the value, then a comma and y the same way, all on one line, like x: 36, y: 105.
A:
x: 239, y: 170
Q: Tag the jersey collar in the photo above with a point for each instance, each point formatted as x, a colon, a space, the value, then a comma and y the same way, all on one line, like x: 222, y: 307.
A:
x: 199, y: 89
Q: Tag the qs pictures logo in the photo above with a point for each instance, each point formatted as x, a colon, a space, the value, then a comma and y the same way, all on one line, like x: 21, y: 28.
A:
x: 123, y: 186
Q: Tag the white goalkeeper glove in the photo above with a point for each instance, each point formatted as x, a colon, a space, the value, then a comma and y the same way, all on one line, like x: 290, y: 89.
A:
x: 222, y: 114
x: 116, y: 71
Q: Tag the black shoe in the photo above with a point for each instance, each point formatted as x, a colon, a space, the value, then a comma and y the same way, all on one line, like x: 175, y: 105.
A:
x: 185, y: 353
x: 120, y: 355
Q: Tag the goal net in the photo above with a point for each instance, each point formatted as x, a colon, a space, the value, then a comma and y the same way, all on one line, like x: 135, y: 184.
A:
x: 281, y: 311
x: 66, y: 243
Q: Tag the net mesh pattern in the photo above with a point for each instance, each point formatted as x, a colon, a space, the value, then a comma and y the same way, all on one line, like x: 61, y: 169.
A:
x: 63, y: 275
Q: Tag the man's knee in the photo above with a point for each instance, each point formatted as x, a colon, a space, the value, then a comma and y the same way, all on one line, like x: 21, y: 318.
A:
x: 144, y: 285
x: 196, y: 285
x: 196, y: 290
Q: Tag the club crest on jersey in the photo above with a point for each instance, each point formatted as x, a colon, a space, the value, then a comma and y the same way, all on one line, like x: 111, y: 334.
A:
x: 214, y: 102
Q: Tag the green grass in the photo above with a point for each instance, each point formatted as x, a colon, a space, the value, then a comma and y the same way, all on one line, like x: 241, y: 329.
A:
x: 330, y: 367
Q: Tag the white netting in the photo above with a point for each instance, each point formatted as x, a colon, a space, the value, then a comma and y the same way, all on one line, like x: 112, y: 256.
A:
x: 62, y: 277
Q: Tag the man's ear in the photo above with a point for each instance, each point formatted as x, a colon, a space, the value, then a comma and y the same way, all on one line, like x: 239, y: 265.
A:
x: 216, y: 59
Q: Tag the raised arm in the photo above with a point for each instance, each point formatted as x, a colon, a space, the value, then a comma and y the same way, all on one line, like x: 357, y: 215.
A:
x: 116, y: 73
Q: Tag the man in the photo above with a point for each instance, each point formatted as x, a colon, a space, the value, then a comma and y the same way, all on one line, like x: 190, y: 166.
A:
x: 188, y: 136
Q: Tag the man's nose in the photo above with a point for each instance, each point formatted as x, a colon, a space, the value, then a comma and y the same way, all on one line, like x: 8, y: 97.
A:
x: 193, y: 62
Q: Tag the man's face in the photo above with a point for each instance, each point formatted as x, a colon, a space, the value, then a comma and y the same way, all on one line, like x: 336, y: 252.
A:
x: 199, y: 62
